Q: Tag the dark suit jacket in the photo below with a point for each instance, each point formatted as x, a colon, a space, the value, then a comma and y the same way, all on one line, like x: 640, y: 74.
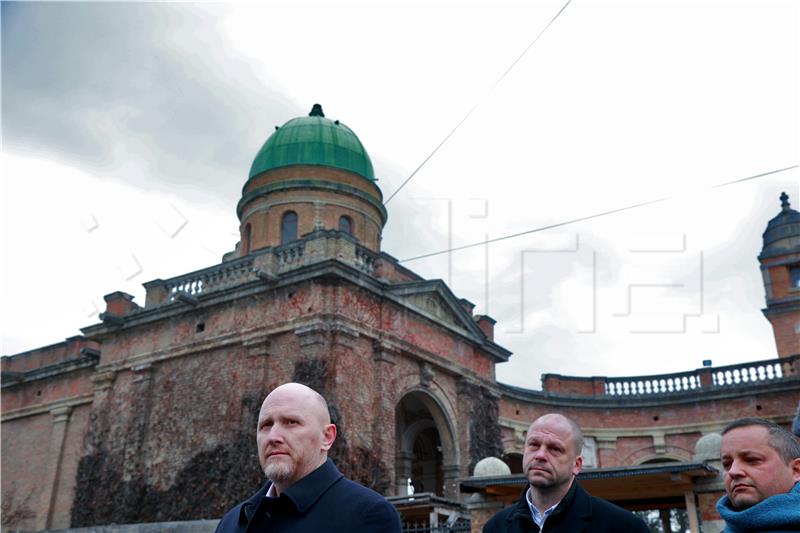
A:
x: 578, y: 511
x: 323, y: 501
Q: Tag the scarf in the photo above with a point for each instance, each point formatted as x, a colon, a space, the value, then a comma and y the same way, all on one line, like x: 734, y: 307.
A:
x: 776, y: 514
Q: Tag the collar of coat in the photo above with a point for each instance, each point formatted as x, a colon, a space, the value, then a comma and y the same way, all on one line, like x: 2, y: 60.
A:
x: 777, y: 513
x: 302, y: 494
x: 575, y: 494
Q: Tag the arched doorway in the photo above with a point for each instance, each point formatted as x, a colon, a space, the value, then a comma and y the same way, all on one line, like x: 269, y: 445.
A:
x: 425, y: 453
x: 514, y: 462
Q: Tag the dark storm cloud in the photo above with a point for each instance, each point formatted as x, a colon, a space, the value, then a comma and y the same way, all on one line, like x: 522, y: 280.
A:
x: 97, y: 83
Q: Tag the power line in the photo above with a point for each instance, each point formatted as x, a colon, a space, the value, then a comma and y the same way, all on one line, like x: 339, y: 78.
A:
x: 588, y: 217
x: 478, y: 103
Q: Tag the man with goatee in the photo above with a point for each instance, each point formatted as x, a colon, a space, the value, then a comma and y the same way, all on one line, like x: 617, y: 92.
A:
x: 305, y: 491
x: 554, y: 501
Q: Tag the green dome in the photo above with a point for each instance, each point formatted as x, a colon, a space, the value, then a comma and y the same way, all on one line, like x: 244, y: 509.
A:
x: 314, y: 140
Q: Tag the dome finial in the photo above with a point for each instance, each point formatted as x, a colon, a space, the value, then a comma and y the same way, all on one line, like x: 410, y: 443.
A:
x: 316, y: 111
x: 784, y: 201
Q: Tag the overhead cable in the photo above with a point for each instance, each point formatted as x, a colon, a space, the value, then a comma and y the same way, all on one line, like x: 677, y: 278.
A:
x: 478, y: 103
x: 588, y: 217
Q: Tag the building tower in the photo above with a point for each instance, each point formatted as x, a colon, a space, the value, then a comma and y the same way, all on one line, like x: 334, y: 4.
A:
x: 780, y: 267
x: 312, y: 173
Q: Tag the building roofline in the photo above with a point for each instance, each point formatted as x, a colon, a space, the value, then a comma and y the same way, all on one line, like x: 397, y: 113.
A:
x: 699, y: 468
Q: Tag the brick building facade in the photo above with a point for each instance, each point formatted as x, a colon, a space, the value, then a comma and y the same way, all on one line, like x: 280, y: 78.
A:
x: 148, y: 416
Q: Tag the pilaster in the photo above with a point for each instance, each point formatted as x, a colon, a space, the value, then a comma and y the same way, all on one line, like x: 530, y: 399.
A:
x: 53, y: 467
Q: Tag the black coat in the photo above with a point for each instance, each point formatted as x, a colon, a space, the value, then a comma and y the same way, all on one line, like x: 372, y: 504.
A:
x: 578, y: 511
x: 322, y: 502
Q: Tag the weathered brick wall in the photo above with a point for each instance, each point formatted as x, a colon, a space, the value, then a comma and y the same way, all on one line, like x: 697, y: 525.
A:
x: 26, y: 447
x: 784, y: 326
x: 45, y: 417
x: 169, y: 433
x: 33, y: 478
x: 327, y: 205
x: 73, y: 449
x: 266, y: 222
x: 299, y: 172
x: 388, y: 269
x: 707, y: 506
x: 47, y: 355
x: 179, y: 407
x: 780, y: 277
x: 169, y: 441
x: 780, y: 295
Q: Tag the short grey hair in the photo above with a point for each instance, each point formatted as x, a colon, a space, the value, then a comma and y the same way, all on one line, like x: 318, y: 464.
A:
x: 575, y: 429
x: 779, y: 439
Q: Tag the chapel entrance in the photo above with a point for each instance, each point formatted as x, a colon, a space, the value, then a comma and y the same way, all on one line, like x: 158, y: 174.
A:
x: 422, y: 452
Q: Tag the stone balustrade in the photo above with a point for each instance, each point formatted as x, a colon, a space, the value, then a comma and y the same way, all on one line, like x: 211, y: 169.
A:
x: 661, y: 384
x: 217, y: 277
x: 770, y: 370
x: 365, y: 260
x: 719, y: 377
x: 267, y: 263
x: 702, y: 379
x: 290, y: 256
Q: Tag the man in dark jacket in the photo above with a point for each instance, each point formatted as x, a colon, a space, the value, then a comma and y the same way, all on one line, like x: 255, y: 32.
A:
x: 554, y: 501
x: 305, y: 492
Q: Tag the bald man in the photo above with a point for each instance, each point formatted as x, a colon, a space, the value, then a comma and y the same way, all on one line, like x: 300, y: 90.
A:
x: 305, y: 491
x: 554, y: 501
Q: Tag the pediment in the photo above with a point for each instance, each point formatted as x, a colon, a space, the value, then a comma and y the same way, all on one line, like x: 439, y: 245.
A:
x: 434, y: 300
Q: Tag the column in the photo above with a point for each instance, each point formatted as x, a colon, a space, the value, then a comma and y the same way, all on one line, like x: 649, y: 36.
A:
x: 402, y: 472
x: 451, y: 475
x: 691, y: 510
x: 53, y: 467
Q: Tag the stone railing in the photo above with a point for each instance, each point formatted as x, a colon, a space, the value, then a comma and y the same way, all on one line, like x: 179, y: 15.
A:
x: 702, y: 379
x: 290, y: 256
x: 770, y: 370
x: 660, y: 384
x: 706, y: 378
x: 214, y: 278
x: 203, y: 281
x: 365, y: 260
x: 266, y: 263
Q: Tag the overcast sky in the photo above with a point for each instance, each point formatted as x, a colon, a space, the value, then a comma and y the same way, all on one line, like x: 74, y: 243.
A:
x: 129, y: 130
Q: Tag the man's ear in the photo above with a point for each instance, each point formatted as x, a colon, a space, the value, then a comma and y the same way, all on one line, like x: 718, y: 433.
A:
x: 578, y: 466
x: 328, y: 436
x: 794, y: 464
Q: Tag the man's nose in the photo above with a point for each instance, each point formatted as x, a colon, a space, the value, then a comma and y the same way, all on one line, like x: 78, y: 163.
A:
x: 735, y: 470
x: 275, y: 434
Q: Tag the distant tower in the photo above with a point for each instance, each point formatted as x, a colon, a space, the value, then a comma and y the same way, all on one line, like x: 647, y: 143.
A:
x: 780, y: 267
x: 312, y: 174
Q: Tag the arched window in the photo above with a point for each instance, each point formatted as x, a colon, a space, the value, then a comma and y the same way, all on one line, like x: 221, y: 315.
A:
x: 345, y: 224
x: 248, y: 233
x: 288, y: 227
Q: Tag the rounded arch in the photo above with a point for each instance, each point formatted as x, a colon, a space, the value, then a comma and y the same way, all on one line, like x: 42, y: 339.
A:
x: 650, y: 455
x: 443, y: 415
x: 412, y: 430
x: 514, y: 462
x: 346, y: 225
x: 247, y: 239
x: 427, y: 454
x: 651, y: 459
x: 289, y: 224
x: 445, y: 400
